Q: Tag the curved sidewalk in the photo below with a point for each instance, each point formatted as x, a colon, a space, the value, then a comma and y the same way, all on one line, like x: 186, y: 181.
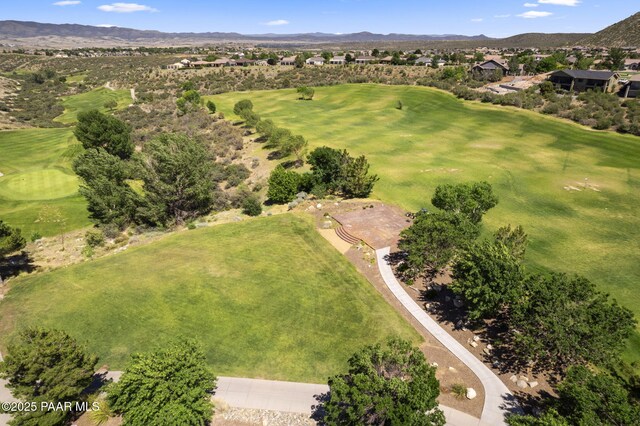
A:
x: 498, y: 400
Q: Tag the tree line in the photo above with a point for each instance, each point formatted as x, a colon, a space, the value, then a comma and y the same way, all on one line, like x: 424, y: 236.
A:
x: 551, y: 321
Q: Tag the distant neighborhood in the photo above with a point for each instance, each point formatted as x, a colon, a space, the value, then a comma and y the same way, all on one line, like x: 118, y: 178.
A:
x: 575, y: 69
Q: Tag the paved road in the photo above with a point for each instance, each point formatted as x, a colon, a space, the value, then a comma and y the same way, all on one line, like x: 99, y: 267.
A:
x: 498, y: 399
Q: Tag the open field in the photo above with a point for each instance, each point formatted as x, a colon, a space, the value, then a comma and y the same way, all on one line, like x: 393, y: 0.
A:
x: 94, y: 99
x: 575, y: 191
x: 268, y: 298
x: 38, y: 182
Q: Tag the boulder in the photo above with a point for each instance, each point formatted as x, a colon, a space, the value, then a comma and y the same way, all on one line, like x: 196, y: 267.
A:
x: 521, y: 384
x: 533, y: 384
x: 318, y: 206
x: 434, y: 364
x: 453, y: 370
x: 477, y: 338
x: 326, y: 224
x: 513, y: 378
x: 471, y: 393
x: 525, y: 378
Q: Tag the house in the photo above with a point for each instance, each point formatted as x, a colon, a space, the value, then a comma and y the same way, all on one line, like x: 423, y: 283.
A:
x: 338, y: 60
x: 632, y: 88
x: 261, y: 63
x: 291, y: 60
x: 199, y: 64
x: 489, y: 68
x: 176, y: 66
x: 316, y: 60
x: 223, y: 62
x: 583, y: 80
x: 186, y: 62
x: 632, y: 64
x: 386, y: 60
x: 363, y: 60
x: 244, y: 62
x: 423, y: 60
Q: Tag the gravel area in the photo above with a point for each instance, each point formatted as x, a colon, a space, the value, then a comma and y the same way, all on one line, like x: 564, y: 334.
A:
x: 248, y: 417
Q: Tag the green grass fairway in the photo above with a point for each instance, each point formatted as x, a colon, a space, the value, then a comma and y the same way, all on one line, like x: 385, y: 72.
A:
x: 267, y: 298
x: 94, y: 99
x: 530, y: 159
x: 37, y: 174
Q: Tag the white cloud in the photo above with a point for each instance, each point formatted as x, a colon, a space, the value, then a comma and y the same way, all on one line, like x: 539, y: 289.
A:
x: 126, y: 8
x: 105, y: 25
x: 560, y: 2
x: 501, y: 16
x: 477, y: 20
x: 535, y: 14
x: 67, y: 3
x: 530, y: 5
x: 277, y: 22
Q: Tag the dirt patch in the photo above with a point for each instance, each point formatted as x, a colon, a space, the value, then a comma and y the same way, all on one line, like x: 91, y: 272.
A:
x: 377, y: 224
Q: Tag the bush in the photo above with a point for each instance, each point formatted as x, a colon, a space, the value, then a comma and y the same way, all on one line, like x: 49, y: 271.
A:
x: 110, y: 230
x: 283, y: 185
x: 94, y: 237
x: 35, y: 236
x: 459, y: 390
x: 251, y: 206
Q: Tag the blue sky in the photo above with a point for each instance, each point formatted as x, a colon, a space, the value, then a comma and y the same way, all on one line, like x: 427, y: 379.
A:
x: 497, y: 18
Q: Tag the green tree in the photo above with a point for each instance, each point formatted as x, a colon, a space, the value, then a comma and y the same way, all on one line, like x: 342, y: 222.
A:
x: 296, y: 145
x: 104, y: 185
x: 306, y: 93
x: 178, y: 179
x: 171, y: 386
x: 111, y: 104
x: 265, y: 127
x: 251, y: 206
x: 348, y: 58
x: 242, y: 105
x: 549, y: 418
x: 615, y: 60
x: 47, y: 366
x: 283, y: 185
x: 385, y: 385
x: 299, y: 61
x: 326, y: 164
x: 562, y: 320
x: 354, y: 179
x: 470, y: 199
x: 189, y: 101
x: 11, y: 240
x: 211, y: 106
x: 514, y: 65
x: 251, y: 118
x: 433, y: 240
x: 587, y: 398
x: 546, y: 65
x: 488, y: 277
x: 278, y: 138
x: 98, y: 130
x: 515, y: 239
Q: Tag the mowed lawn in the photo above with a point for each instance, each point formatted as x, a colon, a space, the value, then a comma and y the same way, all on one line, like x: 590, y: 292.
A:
x: 575, y: 191
x: 93, y: 99
x: 38, y: 189
x: 267, y: 298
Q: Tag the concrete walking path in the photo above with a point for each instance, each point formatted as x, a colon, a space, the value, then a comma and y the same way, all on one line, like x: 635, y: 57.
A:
x: 498, y: 400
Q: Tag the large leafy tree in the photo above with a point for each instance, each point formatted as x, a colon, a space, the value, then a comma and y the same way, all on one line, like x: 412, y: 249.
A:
x: 471, y: 199
x: 563, y: 320
x: 385, y: 385
x: 355, y: 180
x: 549, y: 418
x: 515, y: 239
x: 433, y: 239
x: 47, y: 366
x: 171, y: 386
x: 488, y: 277
x: 587, y: 398
x: 283, y: 185
x: 326, y: 164
x: 98, y: 130
x: 110, y: 199
x: 11, y: 239
x: 242, y: 105
x: 178, y: 179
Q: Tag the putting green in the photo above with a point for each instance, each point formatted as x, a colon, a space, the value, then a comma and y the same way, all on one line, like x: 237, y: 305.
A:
x: 47, y: 184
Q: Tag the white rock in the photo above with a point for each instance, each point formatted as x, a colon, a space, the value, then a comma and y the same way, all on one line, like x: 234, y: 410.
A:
x: 533, y: 384
x: 453, y: 370
x: 477, y: 338
x: 471, y: 393
x: 318, y: 206
x: 490, y: 347
x: 525, y: 378
x: 474, y: 344
x: 521, y: 384
x: 434, y: 364
x: 513, y: 378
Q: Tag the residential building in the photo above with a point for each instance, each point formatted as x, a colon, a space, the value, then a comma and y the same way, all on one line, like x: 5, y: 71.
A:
x: 583, y: 80
x: 338, y: 60
x: 363, y: 60
x: 291, y: 60
x: 490, y: 68
x: 316, y: 60
x: 632, y: 88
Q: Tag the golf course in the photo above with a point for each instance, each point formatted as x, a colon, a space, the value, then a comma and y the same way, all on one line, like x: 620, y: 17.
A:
x: 574, y: 190
x: 94, y: 99
x: 38, y: 189
x: 296, y: 313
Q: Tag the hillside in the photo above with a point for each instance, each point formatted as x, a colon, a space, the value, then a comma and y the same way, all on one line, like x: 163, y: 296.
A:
x: 540, y: 40
x: 625, y: 33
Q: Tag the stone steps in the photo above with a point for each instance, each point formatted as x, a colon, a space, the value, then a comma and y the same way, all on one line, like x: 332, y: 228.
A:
x: 343, y: 234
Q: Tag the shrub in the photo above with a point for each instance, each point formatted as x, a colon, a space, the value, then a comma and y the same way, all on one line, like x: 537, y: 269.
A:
x: 283, y: 185
x: 459, y: 390
x: 94, y: 237
x: 35, y: 236
x: 251, y: 206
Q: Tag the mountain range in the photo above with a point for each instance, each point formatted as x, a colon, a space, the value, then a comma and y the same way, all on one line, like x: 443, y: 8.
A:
x: 624, y: 33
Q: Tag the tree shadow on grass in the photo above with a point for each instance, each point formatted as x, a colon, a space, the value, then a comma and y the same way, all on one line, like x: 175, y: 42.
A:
x: 12, y: 266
